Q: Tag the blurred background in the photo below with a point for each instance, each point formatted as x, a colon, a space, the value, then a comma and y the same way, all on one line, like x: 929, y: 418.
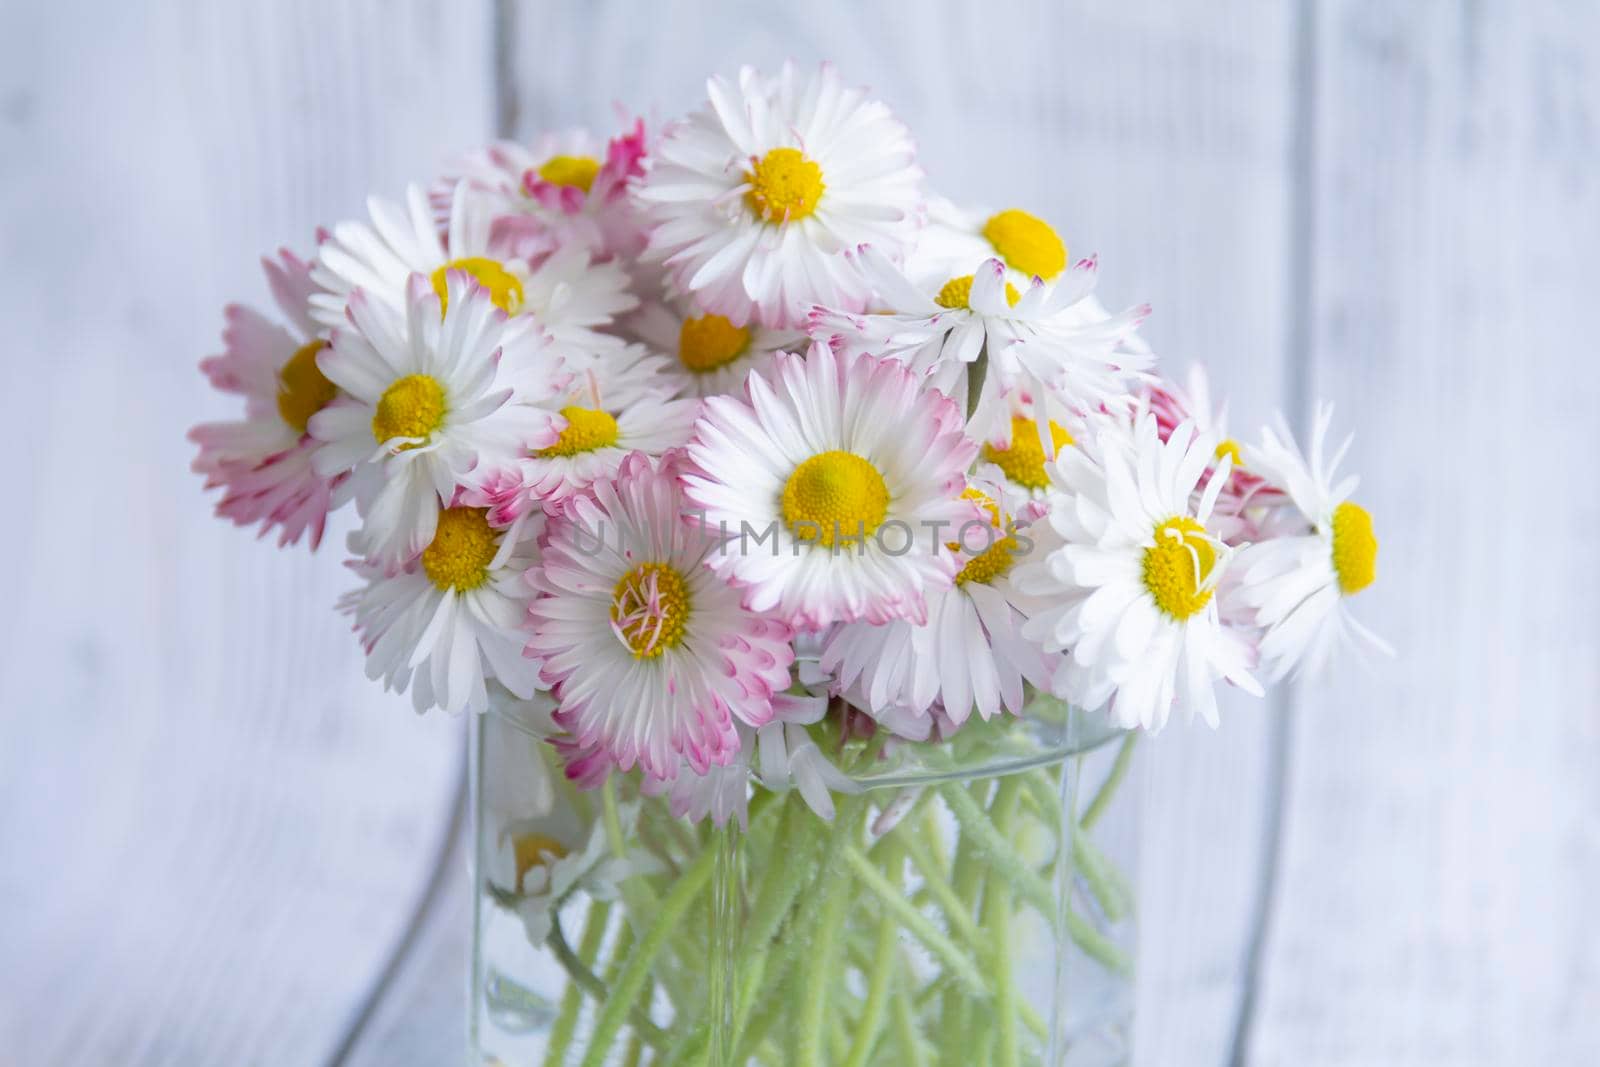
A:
x: 220, y: 844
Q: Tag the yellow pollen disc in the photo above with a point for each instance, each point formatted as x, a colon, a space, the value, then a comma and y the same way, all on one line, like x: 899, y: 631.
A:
x: 302, y: 389
x: 835, y: 488
x: 784, y: 185
x: 1026, y: 243
x: 463, y: 547
x: 1230, y: 448
x: 535, y: 850
x: 711, y: 341
x: 1355, y: 548
x: 650, y: 609
x: 957, y: 293
x: 1177, y: 565
x: 587, y: 429
x: 577, y: 172
x: 993, y: 561
x: 1023, y: 462
x: 411, y: 407
x: 505, y: 289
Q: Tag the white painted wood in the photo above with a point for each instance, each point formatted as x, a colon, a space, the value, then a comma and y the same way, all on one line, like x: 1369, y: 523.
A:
x: 212, y: 828
x: 211, y: 825
x: 1437, y: 902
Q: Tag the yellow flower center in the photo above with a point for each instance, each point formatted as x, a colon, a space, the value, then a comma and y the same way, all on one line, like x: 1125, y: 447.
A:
x: 1355, y: 548
x: 989, y: 564
x: 957, y: 293
x: 1230, y: 448
x: 463, y: 547
x: 411, y: 407
x: 784, y: 186
x: 505, y: 288
x: 1023, y: 462
x: 993, y: 561
x: 587, y: 429
x: 1177, y: 565
x: 650, y: 609
x: 711, y: 341
x: 834, y: 496
x: 577, y: 172
x: 302, y: 389
x: 535, y: 850
x: 1026, y: 243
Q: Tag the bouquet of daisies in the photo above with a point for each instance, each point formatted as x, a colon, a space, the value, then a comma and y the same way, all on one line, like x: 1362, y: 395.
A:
x: 710, y: 429
x: 737, y: 459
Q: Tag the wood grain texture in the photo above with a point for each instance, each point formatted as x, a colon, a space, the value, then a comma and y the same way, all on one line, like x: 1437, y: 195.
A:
x: 213, y: 826
x: 1437, y: 897
x: 213, y: 829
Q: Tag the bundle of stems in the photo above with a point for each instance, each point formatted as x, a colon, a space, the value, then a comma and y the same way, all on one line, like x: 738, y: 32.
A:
x: 890, y: 934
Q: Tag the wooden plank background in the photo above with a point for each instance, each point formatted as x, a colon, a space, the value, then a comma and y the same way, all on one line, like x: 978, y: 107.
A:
x: 216, y: 837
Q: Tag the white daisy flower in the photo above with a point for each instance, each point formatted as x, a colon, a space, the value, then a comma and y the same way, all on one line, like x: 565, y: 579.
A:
x: 754, y: 197
x: 449, y: 621
x: 539, y: 862
x: 573, y: 296
x: 263, y: 461
x: 576, y: 298
x: 831, y: 484
x: 1295, y: 585
x: 624, y: 404
x: 567, y: 189
x: 955, y: 241
x: 428, y: 400
x: 970, y: 652
x: 652, y: 657
x: 1246, y: 493
x: 1020, y: 456
x: 713, y: 356
x: 1047, y: 342
x: 1126, y: 573
x: 380, y: 258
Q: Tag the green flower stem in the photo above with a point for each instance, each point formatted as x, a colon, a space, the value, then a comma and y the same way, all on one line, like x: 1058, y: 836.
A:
x: 1005, y: 862
x: 585, y: 980
x: 907, y: 1036
x: 933, y: 836
x: 881, y: 973
x: 634, y: 1053
x: 1104, y: 881
x: 838, y: 1042
x: 997, y: 920
x: 781, y: 884
x: 811, y: 854
x: 612, y: 818
x: 1096, y: 945
x: 917, y: 924
x: 939, y: 889
x: 819, y: 964
x: 1108, y: 788
x: 967, y: 874
x: 977, y: 371
x: 1044, y: 797
x: 594, y: 933
x: 634, y: 974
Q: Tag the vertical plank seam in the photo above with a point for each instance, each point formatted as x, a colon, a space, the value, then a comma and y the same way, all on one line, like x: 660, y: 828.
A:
x: 1298, y: 342
x: 507, y: 107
